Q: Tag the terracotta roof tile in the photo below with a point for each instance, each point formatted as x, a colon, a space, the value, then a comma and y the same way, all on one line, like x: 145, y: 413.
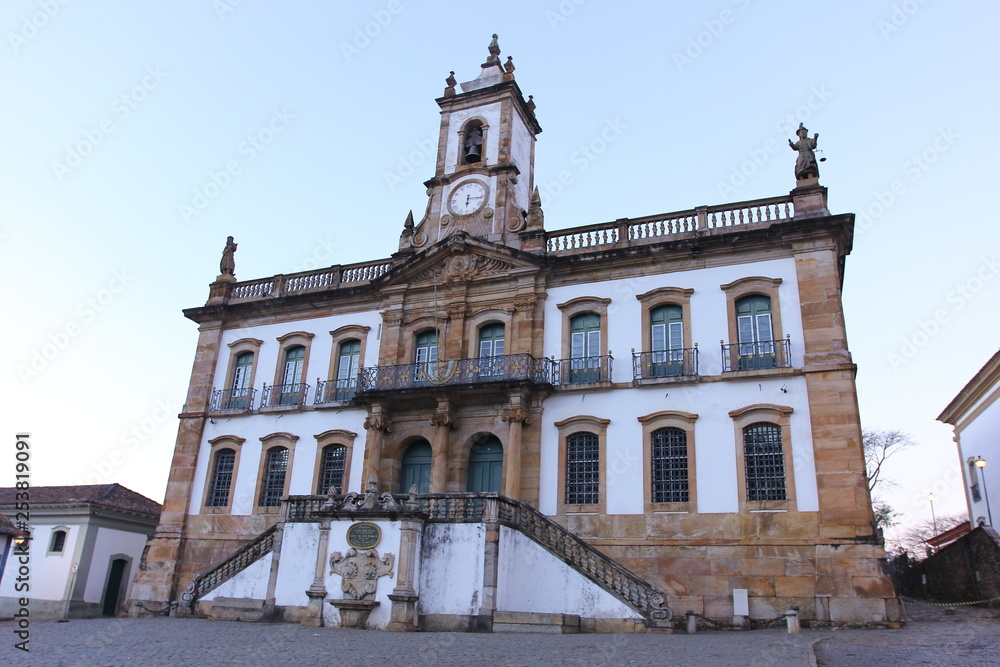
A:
x: 107, y: 495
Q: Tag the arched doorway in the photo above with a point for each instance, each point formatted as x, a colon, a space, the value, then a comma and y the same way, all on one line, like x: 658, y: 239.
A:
x: 416, y: 467
x: 114, y: 589
x: 485, y: 466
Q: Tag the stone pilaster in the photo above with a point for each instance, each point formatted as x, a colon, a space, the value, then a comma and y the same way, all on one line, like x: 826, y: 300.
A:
x: 404, y: 597
x: 515, y: 416
x: 158, y: 582
x: 377, y: 424
x: 444, y: 420
x: 317, y: 592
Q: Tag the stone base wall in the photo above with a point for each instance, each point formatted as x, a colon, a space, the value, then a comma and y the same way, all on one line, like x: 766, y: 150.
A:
x: 966, y: 570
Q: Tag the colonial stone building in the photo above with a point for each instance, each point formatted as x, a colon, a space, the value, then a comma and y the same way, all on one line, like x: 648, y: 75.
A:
x: 660, y: 411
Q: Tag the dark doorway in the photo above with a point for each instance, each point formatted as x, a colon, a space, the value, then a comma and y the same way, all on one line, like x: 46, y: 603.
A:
x: 485, y: 466
x: 113, y: 590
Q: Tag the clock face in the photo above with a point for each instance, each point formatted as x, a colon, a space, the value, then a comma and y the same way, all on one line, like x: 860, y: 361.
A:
x: 467, y: 198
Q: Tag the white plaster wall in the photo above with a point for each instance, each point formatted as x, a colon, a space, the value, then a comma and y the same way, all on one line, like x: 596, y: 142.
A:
x: 979, y: 438
x: 297, y: 565
x: 715, y: 437
x: 532, y: 579
x: 250, y: 584
x: 520, y: 150
x: 304, y: 423
x: 491, y: 113
x: 451, y: 572
x: 380, y: 616
x: 49, y: 575
x: 111, y: 542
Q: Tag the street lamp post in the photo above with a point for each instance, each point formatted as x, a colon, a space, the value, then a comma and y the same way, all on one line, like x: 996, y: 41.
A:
x: 930, y: 497
x: 981, y: 464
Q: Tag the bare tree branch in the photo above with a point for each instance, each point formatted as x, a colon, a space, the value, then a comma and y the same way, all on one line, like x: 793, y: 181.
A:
x: 879, y: 445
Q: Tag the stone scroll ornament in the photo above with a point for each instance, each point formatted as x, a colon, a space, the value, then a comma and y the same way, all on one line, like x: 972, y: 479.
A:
x: 360, y: 572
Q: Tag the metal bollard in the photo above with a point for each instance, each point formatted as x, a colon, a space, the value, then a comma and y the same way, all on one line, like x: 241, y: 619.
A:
x: 792, y: 619
x: 692, y: 622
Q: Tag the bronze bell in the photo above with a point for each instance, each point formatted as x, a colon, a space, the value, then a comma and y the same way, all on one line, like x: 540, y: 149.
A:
x: 472, y: 155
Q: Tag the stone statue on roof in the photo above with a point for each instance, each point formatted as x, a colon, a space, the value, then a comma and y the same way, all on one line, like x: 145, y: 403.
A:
x: 805, y: 164
x: 228, y: 264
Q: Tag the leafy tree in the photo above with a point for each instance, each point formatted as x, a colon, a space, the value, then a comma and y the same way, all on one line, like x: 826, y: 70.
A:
x: 914, y: 539
x: 885, y: 515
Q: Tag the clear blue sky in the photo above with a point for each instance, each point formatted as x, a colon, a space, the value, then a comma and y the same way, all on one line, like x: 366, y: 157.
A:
x: 116, y: 115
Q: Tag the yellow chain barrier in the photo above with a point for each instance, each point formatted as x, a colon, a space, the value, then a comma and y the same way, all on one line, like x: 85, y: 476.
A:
x: 946, y: 604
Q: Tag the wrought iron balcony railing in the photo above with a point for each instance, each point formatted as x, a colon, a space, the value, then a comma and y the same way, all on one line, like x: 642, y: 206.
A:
x: 583, y: 370
x: 284, y: 394
x: 756, y: 356
x: 507, y: 368
x: 224, y: 400
x: 335, y: 391
x: 665, y: 364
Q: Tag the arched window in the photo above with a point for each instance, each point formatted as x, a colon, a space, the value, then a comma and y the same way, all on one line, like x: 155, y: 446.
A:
x: 491, y: 345
x: 425, y: 356
x: 582, y: 469
x: 58, y: 542
x: 765, y: 462
x: 416, y: 468
x: 472, y: 142
x: 348, y: 362
x: 756, y: 333
x: 273, y: 483
x: 585, y: 348
x: 222, y: 478
x: 666, y: 335
x: 669, y: 466
x: 331, y: 472
x: 240, y: 394
x: 485, y: 466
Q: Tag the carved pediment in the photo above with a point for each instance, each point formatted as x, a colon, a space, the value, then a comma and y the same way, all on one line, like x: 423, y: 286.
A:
x: 460, y: 259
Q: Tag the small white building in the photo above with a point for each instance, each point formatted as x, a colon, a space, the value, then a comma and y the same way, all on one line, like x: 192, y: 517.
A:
x: 85, y: 546
x: 975, y: 414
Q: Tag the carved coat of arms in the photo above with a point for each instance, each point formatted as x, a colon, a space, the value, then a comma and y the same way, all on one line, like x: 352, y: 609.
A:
x: 360, y: 571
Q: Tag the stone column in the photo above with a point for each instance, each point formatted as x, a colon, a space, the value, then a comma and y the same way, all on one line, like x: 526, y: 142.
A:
x: 515, y: 416
x: 377, y: 424
x: 404, y: 597
x: 317, y: 592
x: 444, y: 421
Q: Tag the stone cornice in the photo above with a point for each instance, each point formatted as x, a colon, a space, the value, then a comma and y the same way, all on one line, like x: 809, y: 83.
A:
x: 982, y: 383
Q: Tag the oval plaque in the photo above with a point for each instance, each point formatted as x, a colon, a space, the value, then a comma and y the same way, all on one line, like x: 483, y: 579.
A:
x: 364, y: 535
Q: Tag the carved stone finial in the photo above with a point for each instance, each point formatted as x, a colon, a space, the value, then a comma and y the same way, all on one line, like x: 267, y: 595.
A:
x: 530, y: 103
x: 806, y: 166
x: 494, y: 58
x: 451, y: 80
x: 509, y: 65
x: 408, y: 223
x: 228, y: 264
x: 412, y: 503
x: 536, y: 217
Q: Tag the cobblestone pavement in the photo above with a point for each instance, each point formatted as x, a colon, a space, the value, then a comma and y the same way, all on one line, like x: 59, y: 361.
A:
x: 970, y: 637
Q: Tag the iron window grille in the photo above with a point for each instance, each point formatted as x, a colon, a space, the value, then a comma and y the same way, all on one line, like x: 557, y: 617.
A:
x: 233, y: 399
x: 670, y: 466
x: 765, y: 462
x: 222, y: 478
x: 582, y: 469
x: 274, y: 477
x: 332, y: 469
x: 58, y: 541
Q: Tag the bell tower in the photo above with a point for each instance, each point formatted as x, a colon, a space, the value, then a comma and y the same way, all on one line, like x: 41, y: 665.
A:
x: 484, y: 172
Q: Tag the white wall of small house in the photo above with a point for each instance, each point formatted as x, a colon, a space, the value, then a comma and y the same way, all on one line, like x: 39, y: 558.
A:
x: 111, y: 542
x: 49, y: 574
x: 979, y: 439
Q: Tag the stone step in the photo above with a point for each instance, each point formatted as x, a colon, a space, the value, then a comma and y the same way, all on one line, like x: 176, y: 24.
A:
x: 237, y: 609
x: 526, y: 621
